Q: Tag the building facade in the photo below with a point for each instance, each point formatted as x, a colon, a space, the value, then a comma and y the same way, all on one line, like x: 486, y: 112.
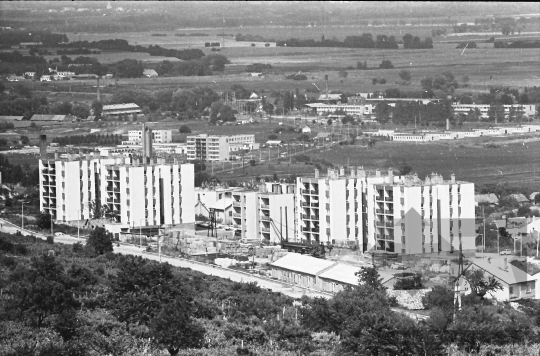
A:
x: 267, y: 214
x: 525, y: 109
x: 123, y: 189
x: 213, y: 147
x: 386, y: 213
x: 158, y: 136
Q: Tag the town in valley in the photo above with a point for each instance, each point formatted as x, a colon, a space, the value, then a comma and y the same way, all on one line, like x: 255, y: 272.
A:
x: 269, y: 178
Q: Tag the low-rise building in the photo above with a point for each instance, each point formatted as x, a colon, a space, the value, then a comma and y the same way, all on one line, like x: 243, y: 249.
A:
x: 525, y: 109
x: 150, y: 73
x: 516, y: 284
x: 50, y: 120
x: 214, y: 147
x: 120, y: 109
x: 158, y: 136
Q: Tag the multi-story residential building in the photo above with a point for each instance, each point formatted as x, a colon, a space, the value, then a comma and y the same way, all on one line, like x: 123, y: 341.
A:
x: 121, y: 109
x: 127, y: 191
x: 395, y: 214
x: 158, y: 136
x: 266, y: 214
x: 525, y: 109
x: 213, y: 147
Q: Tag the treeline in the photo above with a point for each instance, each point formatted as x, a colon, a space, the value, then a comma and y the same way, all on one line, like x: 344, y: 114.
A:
x: 517, y: 44
x: 65, y: 298
x: 17, y: 57
x: 124, y: 46
x: 405, y: 113
x: 15, y: 37
x: 76, y: 51
x: 252, y: 38
x: 195, y: 67
x: 364, y: 41
x: 98, y: 139
x: 15, y: 174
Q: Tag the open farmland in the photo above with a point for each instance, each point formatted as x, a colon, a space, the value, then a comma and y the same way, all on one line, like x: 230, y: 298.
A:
x: 492, y: 160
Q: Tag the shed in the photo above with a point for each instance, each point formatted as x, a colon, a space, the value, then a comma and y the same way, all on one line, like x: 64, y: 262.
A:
x: 274, y: 142
x: 47, y: 120
x: 300, y: 269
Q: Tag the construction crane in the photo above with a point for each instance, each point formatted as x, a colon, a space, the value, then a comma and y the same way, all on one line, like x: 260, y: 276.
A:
x: 314, y: 248
x: 212, y: 218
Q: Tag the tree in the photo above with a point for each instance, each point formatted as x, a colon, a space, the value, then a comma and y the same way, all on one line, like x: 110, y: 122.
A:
x: 405, y: 169
x: 220, y: 111
x: 480, y: 286
x: 129, y: 68
x: 100, y: 240
x: 184, y: 129
x: 80, y: 111
x: 439, y: 297
x: 42, y: 291
x: 405, y: 75
x: 386, y: 64
x: 97, y: 108
x: 174, y: 327
x: 369, y: 277
x: 409, y: 283
x: 272, y: 137
x: 24, y: 140
x: 43, y: 220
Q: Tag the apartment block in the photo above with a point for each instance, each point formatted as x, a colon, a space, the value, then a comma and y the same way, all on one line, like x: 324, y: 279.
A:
x: 213, y: 147
x: 403, y: 215
x: 127, y: 191
x: 265, y: 214
x: 158, y: 136
x: 525, y: 109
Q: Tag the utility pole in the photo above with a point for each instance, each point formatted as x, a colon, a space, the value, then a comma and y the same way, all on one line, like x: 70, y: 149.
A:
x: 22, y: 215
x: 484, y: 236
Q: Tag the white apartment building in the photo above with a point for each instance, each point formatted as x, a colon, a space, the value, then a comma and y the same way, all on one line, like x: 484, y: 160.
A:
x: 130, y: 193
x: 158, y: 136
x: 527, y: 109
x: 265, y: 214
x: 395, y: 214
x: 359, y: 110
x: 213, y: 147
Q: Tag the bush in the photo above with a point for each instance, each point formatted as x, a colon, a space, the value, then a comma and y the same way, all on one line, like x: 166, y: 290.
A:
x: 386, y: 64
x: 184, y: 129
x: 50, y: 239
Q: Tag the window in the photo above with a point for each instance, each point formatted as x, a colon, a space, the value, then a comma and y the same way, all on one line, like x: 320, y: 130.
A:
x: 529, y: 289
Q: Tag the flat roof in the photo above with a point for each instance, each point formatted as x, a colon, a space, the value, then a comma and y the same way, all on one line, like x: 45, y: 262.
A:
x: 302, y: 263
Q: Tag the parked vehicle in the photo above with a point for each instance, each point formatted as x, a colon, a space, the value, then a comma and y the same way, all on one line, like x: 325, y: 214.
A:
x: 506, y: 251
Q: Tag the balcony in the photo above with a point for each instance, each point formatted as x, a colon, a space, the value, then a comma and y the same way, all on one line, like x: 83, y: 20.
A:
x: 389, y: 211
x: 379, y: 211
x: 315, y: 192
x: 264, y: 206
x: 315, y: 229
x: 315, y: 205
x: 305, y: 216
x: 237, y: 215
x: 265, y: 218
x: 306, y: 229
x: 265, y: 229
x: 236, y: 203
x: 304, y: 191
x: 305, y: 203
x: 314, y: 217
x: 389, y: 224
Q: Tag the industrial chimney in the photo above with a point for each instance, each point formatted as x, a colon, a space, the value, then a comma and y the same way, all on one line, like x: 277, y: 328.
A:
x: 143, y: 141
x: 43, y: 146
x: 148, y: 143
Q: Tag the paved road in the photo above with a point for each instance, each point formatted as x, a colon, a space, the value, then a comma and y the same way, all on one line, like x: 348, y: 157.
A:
x: 236, y: 276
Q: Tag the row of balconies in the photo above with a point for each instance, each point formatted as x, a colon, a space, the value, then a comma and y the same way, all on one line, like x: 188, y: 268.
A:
x: 307, y: 191
x: 236, y: 203
x: 312, y: 204
x: 310, y: 217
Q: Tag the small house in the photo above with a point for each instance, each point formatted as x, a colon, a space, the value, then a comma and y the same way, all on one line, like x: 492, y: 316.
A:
x: 520, y: 198
x: 486, y: 199
x: 516, y: 284
x: 306, y: 129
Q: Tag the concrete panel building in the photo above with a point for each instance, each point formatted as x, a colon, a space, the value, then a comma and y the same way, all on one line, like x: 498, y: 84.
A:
x: 158, y: 136
x: 127, y: 191
x: 403, y: 215
x: 265, y: 214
